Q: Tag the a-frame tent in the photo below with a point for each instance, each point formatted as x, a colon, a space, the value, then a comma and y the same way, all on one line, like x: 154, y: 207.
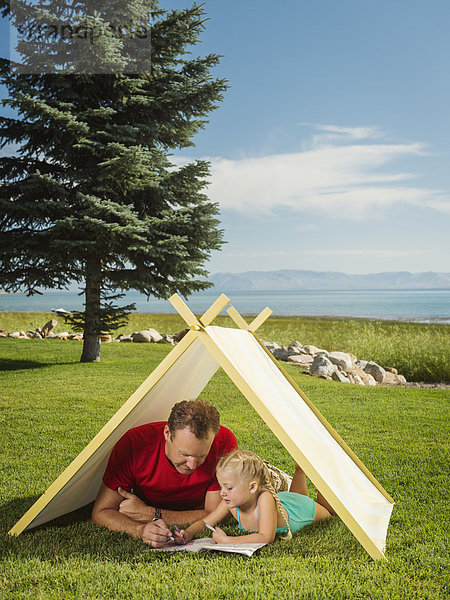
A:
x: 353, y: 492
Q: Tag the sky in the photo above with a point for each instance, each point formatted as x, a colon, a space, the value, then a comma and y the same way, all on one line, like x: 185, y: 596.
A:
x: 330, y: 150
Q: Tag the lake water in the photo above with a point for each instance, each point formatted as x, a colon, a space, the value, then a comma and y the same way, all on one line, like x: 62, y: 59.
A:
x: 417, y: 305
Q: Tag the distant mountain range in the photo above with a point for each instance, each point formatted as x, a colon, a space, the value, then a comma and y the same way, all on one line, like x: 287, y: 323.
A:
x: 289, y: 279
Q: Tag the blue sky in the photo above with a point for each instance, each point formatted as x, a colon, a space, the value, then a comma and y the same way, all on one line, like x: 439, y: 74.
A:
x: 331, y: 148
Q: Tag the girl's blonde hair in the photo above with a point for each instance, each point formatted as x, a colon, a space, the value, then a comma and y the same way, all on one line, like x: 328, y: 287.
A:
x: 249, y: 467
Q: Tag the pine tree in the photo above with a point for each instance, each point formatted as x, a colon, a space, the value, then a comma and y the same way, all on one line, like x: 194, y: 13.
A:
x: 91, y: 195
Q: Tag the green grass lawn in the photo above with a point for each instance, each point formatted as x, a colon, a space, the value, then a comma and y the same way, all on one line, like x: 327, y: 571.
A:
x: 52, y: 406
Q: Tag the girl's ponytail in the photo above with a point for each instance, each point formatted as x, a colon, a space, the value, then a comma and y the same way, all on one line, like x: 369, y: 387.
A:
x: 268, y: 485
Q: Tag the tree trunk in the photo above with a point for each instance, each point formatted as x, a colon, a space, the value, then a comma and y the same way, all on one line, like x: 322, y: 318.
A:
x: 92, y: 325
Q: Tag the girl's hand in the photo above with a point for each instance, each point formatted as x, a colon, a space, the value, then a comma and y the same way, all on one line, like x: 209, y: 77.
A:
x: 220, y: 537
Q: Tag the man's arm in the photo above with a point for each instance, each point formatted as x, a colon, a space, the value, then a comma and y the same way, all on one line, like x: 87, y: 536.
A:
x: 126, y: 512
x: 133, y: 508
x: 106, y: 512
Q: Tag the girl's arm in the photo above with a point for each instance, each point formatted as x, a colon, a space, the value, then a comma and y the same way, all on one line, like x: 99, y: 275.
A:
x: 217, y: 515
x: 266, y: 529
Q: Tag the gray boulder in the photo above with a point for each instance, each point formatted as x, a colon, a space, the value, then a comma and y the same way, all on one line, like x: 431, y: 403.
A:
x: 340, y: 376
x: 64, y: 335
x: 341, y: 360
x: 297, y: 344
x: 393, y: 379
x: 355, y: 378
x: 313, y: 350
x: 282, y: 353
x: 34, y: 335
x: 377, y: 372
x: 49, y: 327
x: 177, y: 337
x: 271, y: 346
x: 322, y: 366
x: 147, y: 335
x: 300, y: 359
x: 295, y: 349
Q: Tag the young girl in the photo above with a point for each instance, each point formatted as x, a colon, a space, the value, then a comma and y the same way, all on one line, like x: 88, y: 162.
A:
x: 249, y: 496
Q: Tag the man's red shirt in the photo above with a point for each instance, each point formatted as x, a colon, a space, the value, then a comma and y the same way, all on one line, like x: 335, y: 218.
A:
x: 138, y: 462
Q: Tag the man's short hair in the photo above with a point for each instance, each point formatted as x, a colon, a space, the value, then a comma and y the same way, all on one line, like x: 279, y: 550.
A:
x: 198, y: 416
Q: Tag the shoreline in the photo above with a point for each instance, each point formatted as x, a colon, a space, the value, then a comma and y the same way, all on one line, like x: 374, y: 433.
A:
x: 411, y: 320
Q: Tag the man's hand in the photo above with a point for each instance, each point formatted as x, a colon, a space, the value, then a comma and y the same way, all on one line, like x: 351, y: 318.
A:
x: 182, y: 537
x: 156, y: 533
x: 133, y: 507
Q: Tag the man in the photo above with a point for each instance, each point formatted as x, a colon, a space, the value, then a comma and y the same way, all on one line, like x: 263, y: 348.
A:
x: 170, y: 468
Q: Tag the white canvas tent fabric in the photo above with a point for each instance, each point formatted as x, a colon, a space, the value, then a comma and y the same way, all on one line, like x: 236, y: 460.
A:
x: 360, y: 503
x: 357, y: 498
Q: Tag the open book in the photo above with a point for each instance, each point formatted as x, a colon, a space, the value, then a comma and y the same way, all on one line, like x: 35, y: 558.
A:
x: 203, y: 544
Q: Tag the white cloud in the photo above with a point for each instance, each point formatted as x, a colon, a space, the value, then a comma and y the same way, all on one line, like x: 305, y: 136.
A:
x: 351, y: 181
x: 354, y: 133
x: 335, y: 134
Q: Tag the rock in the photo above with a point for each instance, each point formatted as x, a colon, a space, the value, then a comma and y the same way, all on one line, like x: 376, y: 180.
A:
x: 157, y: 337
x: 322, y: 366
x: 180, y: 335
x: 300, y: 359
x: 377, y: 372
x: 361, y: 363
x: 282, y: 353
x: 313, y: 350
x: 271, y: 346
x: 393, y: 379
x: 355, y: 378
x: 49, y: 327
x: 105, y: 337
x: 341, y: 360
x: 142, y: 337
x: 14, y: 334
x: 371, y: 380
x: 148, y: 335
x: 75, y: 336
x: 3, y: 333
x: 34, y: 335
x: 340, y: 376
x: 125, y: 338
x: 295, y: 349
x: 391, y: 370
x: 297, y: 344
x: 64, y: 335
x: 365, y: 377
